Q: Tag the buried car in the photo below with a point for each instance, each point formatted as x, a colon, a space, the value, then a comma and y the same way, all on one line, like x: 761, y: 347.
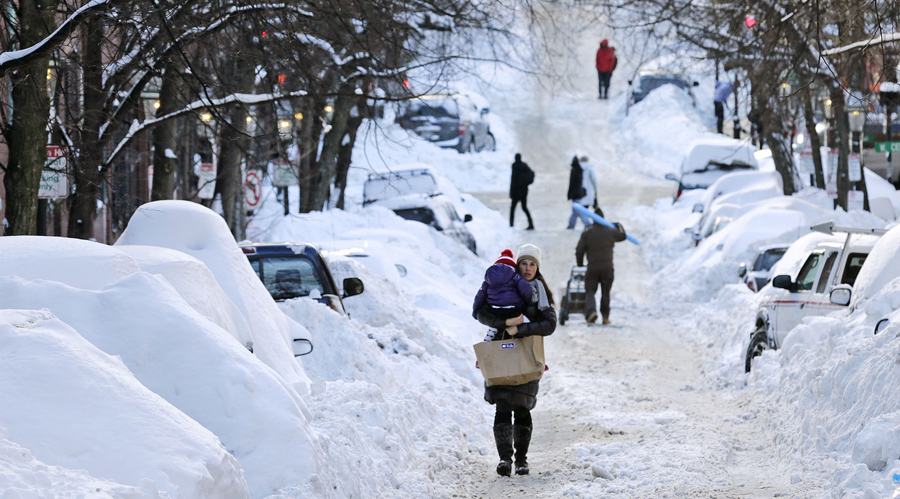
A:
x: 710, y: 158
x: 457, y: 120
x: 296, y: 270
x: 413, y: 194
x: 811, y: 279
x: 756, y: 275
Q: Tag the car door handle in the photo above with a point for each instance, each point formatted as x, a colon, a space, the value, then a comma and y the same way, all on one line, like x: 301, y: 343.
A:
x: 802, y: 305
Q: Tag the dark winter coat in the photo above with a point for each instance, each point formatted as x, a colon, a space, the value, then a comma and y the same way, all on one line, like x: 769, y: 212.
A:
x: 606, y: 59
x: 522, y: 177
x: 543, y: 323
x: 597, y: 242
x: 503, y: 287
x: 576, y: 182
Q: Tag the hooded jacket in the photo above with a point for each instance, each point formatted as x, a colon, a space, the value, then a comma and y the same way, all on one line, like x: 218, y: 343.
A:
x: 606, y: 58
x: 503, y: 287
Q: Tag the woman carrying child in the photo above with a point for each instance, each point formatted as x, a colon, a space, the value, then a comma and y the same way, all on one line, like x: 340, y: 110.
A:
x: 518, y: 400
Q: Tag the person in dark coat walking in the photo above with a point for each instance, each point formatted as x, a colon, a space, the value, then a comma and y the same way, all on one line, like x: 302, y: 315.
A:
x: 606, y: 64
x: 522, y: 177
x: 582, y: 189
x: 597, y: 242
x: 519, y: 399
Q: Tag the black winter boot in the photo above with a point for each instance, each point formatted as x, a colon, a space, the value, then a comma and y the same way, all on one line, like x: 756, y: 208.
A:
x: 522, y: 438
x: 503, y: 436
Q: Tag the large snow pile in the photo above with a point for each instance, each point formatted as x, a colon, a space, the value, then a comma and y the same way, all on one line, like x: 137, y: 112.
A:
x: 73, y: 406
x: 660, y: 125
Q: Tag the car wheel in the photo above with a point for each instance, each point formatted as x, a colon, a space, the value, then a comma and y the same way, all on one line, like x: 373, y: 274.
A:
x: 759, y: 342
x: 490, y: 144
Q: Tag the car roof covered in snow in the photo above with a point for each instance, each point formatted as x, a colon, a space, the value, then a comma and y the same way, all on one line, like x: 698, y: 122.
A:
x: 718, y: 149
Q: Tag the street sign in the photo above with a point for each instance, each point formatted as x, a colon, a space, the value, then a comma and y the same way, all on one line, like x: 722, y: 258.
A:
x: 831, y: 174
x: 206, y: 180
x: 252, y: 190
x: 854, y: 170
x: 887, y: 147
x: 284, y: 173
x: 54, y: 180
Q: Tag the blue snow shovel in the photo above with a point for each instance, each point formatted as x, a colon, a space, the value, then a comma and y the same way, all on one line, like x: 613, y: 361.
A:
x: 600, y: 220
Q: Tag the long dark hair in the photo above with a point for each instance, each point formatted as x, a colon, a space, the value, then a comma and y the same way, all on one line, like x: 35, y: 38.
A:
x: 540, y: 277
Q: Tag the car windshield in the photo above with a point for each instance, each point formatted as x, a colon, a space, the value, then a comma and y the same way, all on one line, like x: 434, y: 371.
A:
x: 288, y: 277
x: 648, y: 83
x: 439, y: 108
x: 423, y: 215
x: 768, y: 258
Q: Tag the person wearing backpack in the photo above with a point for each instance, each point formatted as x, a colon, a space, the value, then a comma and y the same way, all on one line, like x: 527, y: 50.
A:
x: 522, y: 177
x: 582, y: 189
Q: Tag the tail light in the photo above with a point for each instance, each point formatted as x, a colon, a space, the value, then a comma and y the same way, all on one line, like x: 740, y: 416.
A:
x: 462, y: 129
x: 678, y: 195
x: 248, y: 251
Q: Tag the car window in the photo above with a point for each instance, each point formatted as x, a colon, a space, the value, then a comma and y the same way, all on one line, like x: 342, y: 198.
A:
x: 826, y: 272
x: 422, y: 214
x: 768, y: 258
x: 807, y: 275
x: 439, y: 108
x: 648, y: 83
x: 851, y: 269
x: 288, y: 277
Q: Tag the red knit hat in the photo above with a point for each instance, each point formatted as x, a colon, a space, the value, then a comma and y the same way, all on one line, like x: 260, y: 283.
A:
x: 506, y: 258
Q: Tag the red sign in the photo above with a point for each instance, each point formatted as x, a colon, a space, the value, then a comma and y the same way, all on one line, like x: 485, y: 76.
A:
x: 55, y: 152
x: 750, y: 21
x: 252, y: 189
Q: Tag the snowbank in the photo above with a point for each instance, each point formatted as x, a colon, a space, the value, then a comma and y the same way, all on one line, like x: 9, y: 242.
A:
x: 72, y: 406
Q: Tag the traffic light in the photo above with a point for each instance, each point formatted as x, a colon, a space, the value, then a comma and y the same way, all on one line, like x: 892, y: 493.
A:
x: 750, y: 21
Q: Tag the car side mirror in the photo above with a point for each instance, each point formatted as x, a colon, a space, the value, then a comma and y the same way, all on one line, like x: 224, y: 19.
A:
x: 840, y: 296
x: 353, y: 286
x: 688, y: 230
x: 742, y: 269
x: 696, y: 83
x: 671, y: 176
x: 302, y: 346
x: 696, y: 237
x: 401, y: 269
x: 467, y: 218
x: 883, y: 323
x: 629, y: 82
x: 783, y: 282
x: 485, y: 111
x: 698, y: 208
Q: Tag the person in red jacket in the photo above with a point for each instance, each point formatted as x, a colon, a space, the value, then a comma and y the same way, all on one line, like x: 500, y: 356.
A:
x: 606, y: 63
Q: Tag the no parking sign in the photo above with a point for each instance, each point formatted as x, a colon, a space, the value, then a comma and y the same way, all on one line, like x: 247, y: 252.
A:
x: 252, y: 190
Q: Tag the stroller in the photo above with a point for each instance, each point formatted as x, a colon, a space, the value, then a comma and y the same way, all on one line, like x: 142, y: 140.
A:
x: 573, y: 297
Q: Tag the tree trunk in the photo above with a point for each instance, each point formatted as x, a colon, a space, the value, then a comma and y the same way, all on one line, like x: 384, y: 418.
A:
x: 28, y: 130
x: 778, y: 137
x: 345, y: 155
x: 331, y: 146
x: 814, y: 142
x: 230, y: 178
x: 164, y: 136
x: 311, y: 132
x: 87, y: 177
x: 843, y: 142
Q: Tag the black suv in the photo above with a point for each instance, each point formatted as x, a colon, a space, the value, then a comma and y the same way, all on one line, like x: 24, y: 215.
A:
x: 293, y: 270
x: 449, y: 120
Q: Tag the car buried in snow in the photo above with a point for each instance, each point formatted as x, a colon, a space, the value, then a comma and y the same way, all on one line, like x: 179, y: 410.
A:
x: 756, y: 275
x: 297, y: 270
x: 453, y: 120
x: 708, y: 159
x: 814, y: 277
x: 413, y: 194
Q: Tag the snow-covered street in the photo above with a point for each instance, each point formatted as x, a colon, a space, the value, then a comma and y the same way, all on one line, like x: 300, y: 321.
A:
x: 164, y: 366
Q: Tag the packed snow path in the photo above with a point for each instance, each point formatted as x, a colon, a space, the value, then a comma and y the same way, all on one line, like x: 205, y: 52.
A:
x: 624, y: 409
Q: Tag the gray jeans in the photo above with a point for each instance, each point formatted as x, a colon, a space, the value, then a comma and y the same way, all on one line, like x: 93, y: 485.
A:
x: 594, y: 276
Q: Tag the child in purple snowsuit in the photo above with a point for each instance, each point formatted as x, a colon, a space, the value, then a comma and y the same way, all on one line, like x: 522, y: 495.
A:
x: 504, y: 289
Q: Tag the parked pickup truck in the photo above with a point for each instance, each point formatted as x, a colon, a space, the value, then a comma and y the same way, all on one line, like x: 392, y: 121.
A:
x: 822, y: 266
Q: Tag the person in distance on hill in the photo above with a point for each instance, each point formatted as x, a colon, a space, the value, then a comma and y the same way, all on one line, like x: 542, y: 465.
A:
x: 606, y: 64
x: 522, y: 177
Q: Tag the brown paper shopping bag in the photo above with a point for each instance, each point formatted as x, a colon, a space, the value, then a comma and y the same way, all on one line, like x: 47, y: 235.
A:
x: 511, y: 362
